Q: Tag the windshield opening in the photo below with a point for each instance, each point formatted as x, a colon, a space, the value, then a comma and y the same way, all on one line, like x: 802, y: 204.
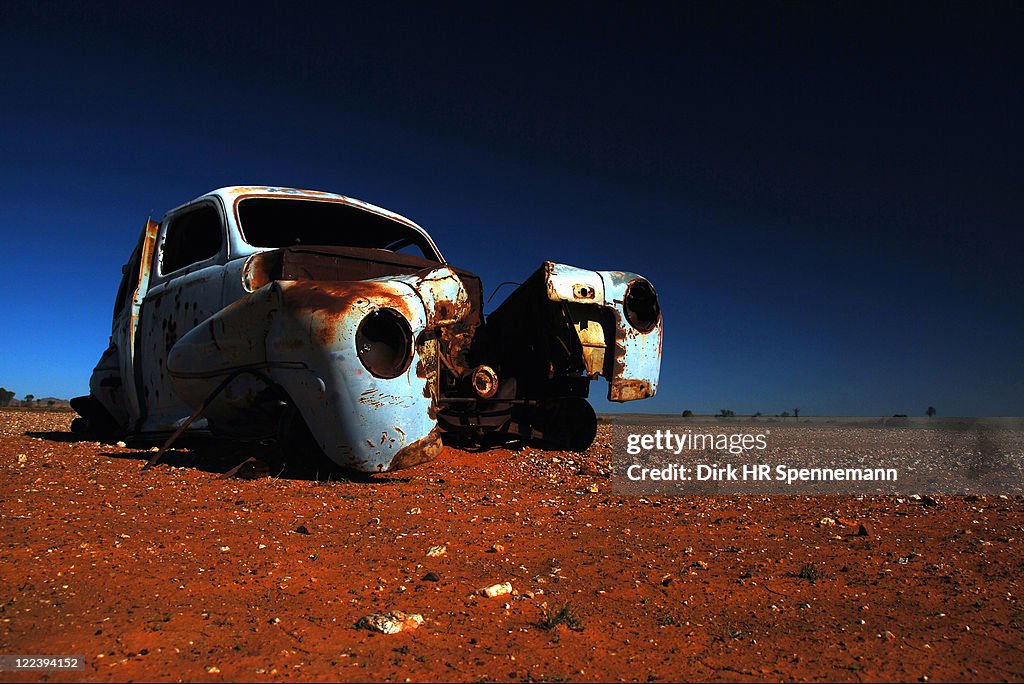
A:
x: 281, y: 222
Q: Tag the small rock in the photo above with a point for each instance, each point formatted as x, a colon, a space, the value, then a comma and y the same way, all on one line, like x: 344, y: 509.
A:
x: 123, y: 445
x: 431, y: 577
x: 888, y: 636
x: 414, y: 511
x: 212, y: 669
x: 22, y: 458
x: 826, y: 522
x: 699, y: 564
x: 865, y: 530
x: 390, y: 623
x: 497, y: 590
x: 496, y: 548
x: 592, y: 488
x: 437, y: 550
x: 301, y: 529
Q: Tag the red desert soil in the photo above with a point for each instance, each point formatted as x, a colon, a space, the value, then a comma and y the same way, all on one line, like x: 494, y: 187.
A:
x: 179, y: 574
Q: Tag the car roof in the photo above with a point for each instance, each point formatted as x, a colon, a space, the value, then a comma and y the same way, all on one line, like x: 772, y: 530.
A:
x: 232, y: 193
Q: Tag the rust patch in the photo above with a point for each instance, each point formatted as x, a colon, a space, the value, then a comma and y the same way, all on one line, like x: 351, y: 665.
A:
x: 630, y: 390
x: 336, y: 298
x: 260, y: 269
x: 420, y: 451
x: 427, y: 367
x: 370, y: 398
x: 330, y: 303
x: 445, y: 310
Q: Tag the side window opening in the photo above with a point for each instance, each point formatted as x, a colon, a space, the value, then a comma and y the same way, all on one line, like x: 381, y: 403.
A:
x: 190, y: 238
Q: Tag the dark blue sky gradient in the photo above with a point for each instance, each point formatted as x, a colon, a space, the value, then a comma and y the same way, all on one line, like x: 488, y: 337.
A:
x: 827, y: 196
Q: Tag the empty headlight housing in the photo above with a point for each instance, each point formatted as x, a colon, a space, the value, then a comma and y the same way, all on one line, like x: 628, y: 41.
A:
x: 641, y: 305
x: 384, y: 343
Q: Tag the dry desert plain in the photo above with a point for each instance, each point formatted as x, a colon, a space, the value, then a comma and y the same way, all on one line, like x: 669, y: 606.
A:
x: 181, y: 574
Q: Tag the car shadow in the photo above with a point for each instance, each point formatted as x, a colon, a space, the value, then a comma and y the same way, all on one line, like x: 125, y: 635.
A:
x: 64, y: 437
x: 230, y: 459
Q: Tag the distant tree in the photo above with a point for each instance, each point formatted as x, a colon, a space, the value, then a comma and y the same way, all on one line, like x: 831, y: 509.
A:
x: 784, y: 414
x: 796, y: 413
x: 727, y: 413
x: 50, y: 402
x: 687, y: 413
x: 931, y: 411
x: 756, y: 415
x: 5, y: 396
x: 29, y: 398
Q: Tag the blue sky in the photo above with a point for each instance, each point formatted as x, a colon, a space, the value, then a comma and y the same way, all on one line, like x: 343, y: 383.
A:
x: 827, y: 197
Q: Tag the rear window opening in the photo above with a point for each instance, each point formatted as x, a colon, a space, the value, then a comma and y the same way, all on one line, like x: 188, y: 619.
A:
x: 281, y: 222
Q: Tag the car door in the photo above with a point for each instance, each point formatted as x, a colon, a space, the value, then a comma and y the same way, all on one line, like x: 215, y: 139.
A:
x: 126, y: 319
x: 185, y: 289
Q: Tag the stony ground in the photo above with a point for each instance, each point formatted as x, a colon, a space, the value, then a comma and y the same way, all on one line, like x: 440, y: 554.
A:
x: 181, y: 574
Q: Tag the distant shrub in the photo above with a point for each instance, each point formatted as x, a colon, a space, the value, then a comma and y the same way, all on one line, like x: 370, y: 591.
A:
x: 563, y: 616
x: 809, y: 572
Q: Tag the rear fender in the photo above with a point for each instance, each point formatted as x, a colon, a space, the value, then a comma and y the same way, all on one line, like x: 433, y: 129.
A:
x: 630, y: 358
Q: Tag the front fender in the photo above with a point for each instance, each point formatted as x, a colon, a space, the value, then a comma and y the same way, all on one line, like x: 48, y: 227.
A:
x: 360, y: 421
x: 301, y: 334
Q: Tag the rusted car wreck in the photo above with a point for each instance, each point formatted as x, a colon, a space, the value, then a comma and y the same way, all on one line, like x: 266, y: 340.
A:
x: 314, y: 319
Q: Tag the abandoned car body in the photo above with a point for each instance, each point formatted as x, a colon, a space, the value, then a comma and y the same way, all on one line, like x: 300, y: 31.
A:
x: 307, y: 317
